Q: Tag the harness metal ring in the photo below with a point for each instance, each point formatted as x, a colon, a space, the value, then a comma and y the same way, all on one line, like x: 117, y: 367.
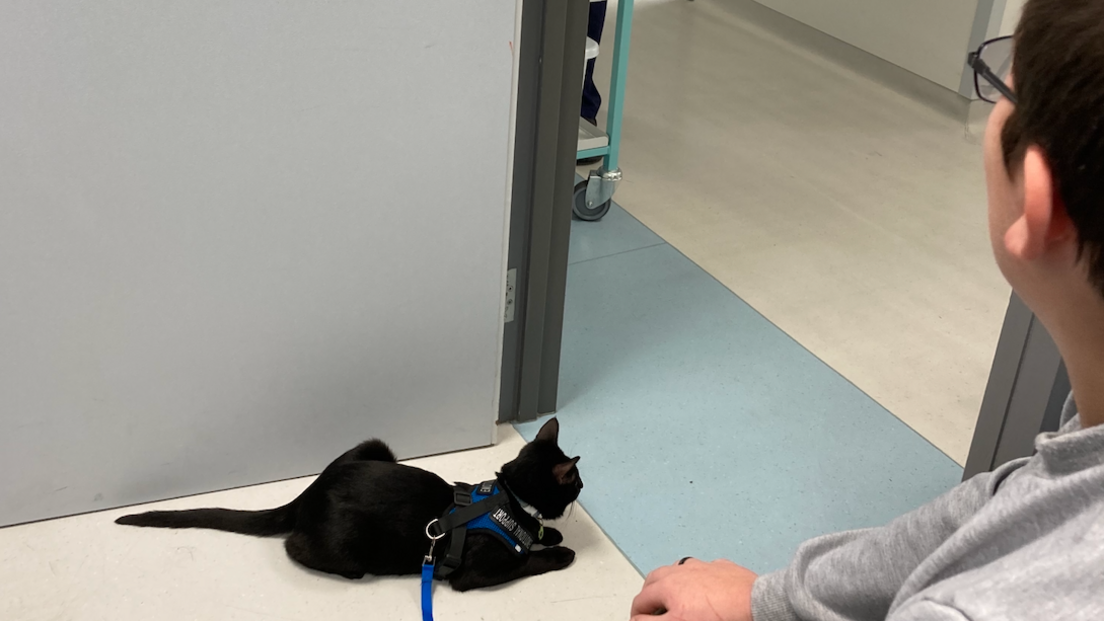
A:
x: 431, y: 537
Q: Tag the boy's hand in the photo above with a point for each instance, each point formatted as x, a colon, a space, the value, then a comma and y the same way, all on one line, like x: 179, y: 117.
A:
x: 696, y: 591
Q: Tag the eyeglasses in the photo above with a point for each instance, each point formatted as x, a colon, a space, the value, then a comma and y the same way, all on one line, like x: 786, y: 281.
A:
x: 992, y: 64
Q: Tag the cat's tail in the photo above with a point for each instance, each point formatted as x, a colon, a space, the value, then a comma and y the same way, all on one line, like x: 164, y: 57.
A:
x: 369, y: 450
x: 266, y: 523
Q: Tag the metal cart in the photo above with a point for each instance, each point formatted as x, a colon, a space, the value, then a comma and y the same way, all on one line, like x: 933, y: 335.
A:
x: 594, y: 194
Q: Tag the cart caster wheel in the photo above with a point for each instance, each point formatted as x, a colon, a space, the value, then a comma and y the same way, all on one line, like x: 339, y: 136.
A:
x: 580, y: 208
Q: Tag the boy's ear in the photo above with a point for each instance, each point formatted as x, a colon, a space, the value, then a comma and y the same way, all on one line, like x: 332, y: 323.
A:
x: 1044, y: 221
x: 550, y: 431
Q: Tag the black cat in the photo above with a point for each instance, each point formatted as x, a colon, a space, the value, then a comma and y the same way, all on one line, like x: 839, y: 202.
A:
x: 366, y: 514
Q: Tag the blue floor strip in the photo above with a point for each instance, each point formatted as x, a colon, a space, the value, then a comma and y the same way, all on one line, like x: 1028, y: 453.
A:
x: 616, y: 233
x: 704, y: 429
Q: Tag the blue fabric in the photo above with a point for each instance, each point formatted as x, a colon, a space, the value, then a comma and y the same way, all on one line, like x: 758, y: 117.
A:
x: 427, y: 592
x: 592, y: 99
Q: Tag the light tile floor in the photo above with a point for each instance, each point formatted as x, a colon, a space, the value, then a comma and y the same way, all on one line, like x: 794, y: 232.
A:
x: 86, y: 568
x: 850, y: 215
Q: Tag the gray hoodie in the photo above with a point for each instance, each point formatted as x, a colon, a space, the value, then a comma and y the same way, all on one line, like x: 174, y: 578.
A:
x: 1023, y: 542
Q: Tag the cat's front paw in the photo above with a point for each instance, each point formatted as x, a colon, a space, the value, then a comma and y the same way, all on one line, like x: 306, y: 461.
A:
x: 561, y: 557
x: 551, y: 537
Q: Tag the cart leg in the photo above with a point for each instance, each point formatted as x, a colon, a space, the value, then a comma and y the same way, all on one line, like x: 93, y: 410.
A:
x: 617, y: 81
x: 594, y: 195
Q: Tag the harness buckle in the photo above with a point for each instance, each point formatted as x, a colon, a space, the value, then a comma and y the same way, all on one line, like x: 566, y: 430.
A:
x: 430, y: 530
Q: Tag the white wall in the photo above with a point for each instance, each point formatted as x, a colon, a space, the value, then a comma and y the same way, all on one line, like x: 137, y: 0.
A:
x: 928, y: 37
x: 1012, y: 11
x: 238, y: 237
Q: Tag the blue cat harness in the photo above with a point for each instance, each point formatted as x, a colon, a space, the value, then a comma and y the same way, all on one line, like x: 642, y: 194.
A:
x: 483, y: 508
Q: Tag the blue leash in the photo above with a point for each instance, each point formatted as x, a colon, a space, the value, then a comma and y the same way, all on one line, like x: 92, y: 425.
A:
x: 427, y: 591
x: 427, y: 575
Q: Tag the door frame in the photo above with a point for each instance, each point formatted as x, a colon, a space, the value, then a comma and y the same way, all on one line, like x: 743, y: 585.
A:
x: 1027, y: 388
x: 551, y: 56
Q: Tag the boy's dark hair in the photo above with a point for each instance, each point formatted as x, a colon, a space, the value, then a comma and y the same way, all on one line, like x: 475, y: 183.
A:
x: 1058, y: 67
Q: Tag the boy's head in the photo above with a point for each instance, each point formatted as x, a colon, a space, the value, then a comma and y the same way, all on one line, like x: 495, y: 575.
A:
x: 1044, y: 159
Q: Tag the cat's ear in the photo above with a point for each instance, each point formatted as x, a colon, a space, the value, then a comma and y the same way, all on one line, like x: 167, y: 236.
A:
x: 550, y: 431
x: 561, y: 471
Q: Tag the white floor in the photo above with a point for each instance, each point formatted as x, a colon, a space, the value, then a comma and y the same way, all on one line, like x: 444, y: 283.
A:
x: 850, y: 215
x: 86, y: 568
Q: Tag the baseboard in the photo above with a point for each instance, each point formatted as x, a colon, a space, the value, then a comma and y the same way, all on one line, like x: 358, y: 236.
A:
x: 882, y: 71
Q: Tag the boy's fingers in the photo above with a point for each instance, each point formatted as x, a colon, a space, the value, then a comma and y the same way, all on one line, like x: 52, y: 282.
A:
x: 656, y: 575
x: 648, y: 602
